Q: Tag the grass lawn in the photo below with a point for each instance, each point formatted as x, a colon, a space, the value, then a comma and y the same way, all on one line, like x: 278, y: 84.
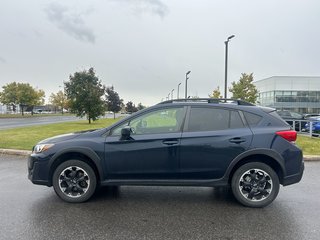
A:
x: 25, y: 138
x: 309, y: 146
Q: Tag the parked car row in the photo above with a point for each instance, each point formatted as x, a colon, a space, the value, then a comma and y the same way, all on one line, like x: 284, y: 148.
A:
x: 301, y: 121
x: 315, y: 125
x: 290, y: 117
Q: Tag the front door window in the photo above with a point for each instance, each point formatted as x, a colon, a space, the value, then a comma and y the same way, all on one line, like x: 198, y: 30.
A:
x: 160, y: 121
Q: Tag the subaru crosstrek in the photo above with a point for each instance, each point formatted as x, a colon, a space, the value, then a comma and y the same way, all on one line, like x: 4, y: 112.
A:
x: 198, y: 142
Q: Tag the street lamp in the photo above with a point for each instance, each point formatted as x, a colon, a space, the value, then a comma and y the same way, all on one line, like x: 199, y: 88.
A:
x: 226, y: 66
x: 187, y: 84
x: 172, y: 94
x: 178, y: 90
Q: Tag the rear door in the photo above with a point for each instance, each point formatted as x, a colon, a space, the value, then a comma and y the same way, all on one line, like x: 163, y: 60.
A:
x: 212, y: 138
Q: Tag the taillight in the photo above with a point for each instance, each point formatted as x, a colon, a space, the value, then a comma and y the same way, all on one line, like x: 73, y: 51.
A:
x: 289, y: 135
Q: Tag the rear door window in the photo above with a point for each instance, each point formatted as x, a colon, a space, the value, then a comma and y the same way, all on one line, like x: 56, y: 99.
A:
x: 235, y: 120
x: 213, y: 119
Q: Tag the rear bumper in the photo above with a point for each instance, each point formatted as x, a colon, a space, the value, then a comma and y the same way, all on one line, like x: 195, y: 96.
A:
x: 288, y: 180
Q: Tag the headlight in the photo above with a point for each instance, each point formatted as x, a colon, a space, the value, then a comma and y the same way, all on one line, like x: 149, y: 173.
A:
x: 41, y: 148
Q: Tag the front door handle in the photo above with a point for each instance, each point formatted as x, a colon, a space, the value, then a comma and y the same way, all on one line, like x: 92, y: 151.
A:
x: 170, y: 142
x: 237, y: 140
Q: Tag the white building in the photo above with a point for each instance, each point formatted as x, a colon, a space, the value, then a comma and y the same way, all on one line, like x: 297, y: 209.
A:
x: 3, y: 109
x: 298, y: 94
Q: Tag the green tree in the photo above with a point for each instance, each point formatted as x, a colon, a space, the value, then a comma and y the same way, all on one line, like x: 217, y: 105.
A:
x: 28, y: 96
x: 130, y: 107
x: 85, y: 92
x: 140, y: 106
x: 113, y: 101
x: 216, y: 93
x: 244, y: 89
x: 22, y: 94
x: 59, y: 100
x: 9, y: 95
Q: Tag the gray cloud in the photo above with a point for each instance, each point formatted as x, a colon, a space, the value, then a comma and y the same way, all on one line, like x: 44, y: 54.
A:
x: 70, y: 23
x: 155, y: 7
x: 2, y: 60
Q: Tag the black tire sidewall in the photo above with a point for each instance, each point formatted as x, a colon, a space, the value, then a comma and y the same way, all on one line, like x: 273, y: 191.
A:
x: 255, y: 165
x: 84, y: 166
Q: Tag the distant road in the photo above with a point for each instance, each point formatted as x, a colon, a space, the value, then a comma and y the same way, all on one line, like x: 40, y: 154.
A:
x: 7, y: 123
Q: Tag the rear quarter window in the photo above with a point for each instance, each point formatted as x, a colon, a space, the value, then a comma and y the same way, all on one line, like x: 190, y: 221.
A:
x: 277, y: 116
x: 252, y: 119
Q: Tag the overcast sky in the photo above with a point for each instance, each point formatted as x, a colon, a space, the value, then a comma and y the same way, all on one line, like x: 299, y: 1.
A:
x: 144, y: 47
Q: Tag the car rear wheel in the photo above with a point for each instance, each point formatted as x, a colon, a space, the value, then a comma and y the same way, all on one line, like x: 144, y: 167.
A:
x: 255, y: 184
x: 74, y: 181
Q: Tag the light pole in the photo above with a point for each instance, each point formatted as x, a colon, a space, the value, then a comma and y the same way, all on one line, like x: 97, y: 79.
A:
x: 178, y: 90
x: 226, y: 66
x: 187, y: 84
x: 172, y: 94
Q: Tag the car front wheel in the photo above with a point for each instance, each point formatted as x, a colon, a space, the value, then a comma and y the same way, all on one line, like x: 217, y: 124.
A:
x: 255, y: 184
x: 74, y: 181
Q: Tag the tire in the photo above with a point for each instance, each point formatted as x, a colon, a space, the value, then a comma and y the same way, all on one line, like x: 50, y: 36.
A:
x: 255, y: 184
x: 74, y: 181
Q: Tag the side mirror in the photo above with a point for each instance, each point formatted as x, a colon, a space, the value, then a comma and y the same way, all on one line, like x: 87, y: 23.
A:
x: 125, y: 133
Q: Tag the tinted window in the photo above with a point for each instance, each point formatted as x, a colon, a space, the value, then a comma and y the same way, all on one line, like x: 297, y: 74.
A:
x: 235, y: 120
x: 252, y: 119
x: 159, y: 121
x: 212, y: 119
x: 276, y: 115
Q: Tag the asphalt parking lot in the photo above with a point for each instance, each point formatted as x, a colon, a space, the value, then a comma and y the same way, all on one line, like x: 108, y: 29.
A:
x: 34, y: 212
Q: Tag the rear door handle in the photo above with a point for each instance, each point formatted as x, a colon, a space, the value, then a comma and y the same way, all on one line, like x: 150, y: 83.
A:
x: 237, y: 140
x: 170, y: 142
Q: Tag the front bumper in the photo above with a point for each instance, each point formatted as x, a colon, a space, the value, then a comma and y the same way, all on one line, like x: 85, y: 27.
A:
x: 38, y: 171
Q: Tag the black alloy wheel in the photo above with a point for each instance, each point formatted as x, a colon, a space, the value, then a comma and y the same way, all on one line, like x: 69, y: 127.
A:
x: 255, y: 184
x: 74, y: 181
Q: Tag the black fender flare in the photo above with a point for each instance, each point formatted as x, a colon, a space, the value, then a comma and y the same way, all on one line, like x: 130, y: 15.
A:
x: 260, y: 151
x: 88, y: 152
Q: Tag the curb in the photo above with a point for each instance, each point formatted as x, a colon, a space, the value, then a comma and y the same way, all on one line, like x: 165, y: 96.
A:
x: 26, y: 153
x: 15, y: 152
x: 311, y: 158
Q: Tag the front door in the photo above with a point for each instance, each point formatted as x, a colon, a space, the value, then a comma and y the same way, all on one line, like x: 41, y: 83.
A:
x: 152, y: 152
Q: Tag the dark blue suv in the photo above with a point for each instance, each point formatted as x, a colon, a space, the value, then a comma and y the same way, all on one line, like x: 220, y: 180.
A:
x: 198, y: 142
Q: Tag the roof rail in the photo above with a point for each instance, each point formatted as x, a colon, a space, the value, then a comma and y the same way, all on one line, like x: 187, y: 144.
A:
x: 211, y: 100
